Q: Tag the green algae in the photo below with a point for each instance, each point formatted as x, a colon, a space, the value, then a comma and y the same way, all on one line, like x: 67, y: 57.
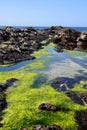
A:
x: 77, y: 53
x: 6, y: 43
x: 79, y: 89
x: 44, y: 42
x: 24, y: 99
x: 32, y: 89
x: 43, y: 52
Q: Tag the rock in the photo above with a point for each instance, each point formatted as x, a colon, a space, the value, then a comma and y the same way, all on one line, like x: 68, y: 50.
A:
x: 3, y: 87
x: 8, y: 83
x: 20, y: 43
x: 50, y: 107
x: 56, y: 39
x: 81, y: 118
x: 66, y: 38
x: 82, y: 40
x: 2, y: 99
x: 74, y: 97
x: 84, y: 98
x: 83, y: 36
x: 47, y: 127
x: 8, y: 29
x: 61, y: 84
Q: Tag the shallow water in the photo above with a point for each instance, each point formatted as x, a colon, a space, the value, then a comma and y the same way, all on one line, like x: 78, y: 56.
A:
x: 62, y: 64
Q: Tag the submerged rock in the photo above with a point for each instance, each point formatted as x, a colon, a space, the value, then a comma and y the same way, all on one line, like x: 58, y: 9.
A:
x: 73, y: 96
x: 47, y: 127
x: 8, y: 83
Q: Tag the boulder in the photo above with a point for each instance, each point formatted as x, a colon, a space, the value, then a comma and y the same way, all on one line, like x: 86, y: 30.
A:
x: 66, y: 38
x: 82, y: 40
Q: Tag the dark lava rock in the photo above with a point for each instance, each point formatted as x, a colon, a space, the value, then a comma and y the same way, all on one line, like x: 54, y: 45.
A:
x: 82, y: 40
x: 2, y: 100
x: 84, y: 98
x: 50, y: 107
x: 81, y: 118
x: 62, y: 84
x: 8, y: 83
x: 47, y: 127
x: 3, y: 87
x: 66, y: 38
x: 74, y: 97
x: 17, y: 44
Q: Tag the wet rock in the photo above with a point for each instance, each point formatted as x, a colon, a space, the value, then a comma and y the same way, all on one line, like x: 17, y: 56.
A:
x: 47, y: 127
x: 3, y: 87
x: 2, y: 100
x: 50, y: 107
x: 74, y: 97
x: 8, y: 83
x: 81, y: 118
x: 62, y: 84
x: 84, y: 98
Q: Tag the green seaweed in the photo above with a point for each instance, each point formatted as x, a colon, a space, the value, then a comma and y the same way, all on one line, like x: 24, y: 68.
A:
x: 30, y: 91
x: 77, y: 53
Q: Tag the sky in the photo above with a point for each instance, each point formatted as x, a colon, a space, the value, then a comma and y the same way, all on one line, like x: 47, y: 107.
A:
x: 43, y: 13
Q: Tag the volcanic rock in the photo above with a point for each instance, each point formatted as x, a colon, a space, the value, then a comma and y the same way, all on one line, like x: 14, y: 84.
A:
x: 50, y: 107
x: 8, y: 83
x: 84, y: 98
x: 82, y: 40
x: 74, y: 97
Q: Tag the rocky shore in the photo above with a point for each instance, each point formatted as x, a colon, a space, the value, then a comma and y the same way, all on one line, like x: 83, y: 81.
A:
x: 17, y: 44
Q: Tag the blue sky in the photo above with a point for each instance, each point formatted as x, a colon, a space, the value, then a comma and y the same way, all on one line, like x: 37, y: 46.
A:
x: 43, y: 12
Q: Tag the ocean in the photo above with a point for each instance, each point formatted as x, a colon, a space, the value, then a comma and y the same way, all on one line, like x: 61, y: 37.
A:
x: 80, y: 29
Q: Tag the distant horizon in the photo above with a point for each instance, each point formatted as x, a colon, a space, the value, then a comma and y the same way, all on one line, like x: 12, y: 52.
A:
x: 38, y: 26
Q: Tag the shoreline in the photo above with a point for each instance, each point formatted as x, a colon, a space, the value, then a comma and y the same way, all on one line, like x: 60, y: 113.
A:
x: 18, y: 44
